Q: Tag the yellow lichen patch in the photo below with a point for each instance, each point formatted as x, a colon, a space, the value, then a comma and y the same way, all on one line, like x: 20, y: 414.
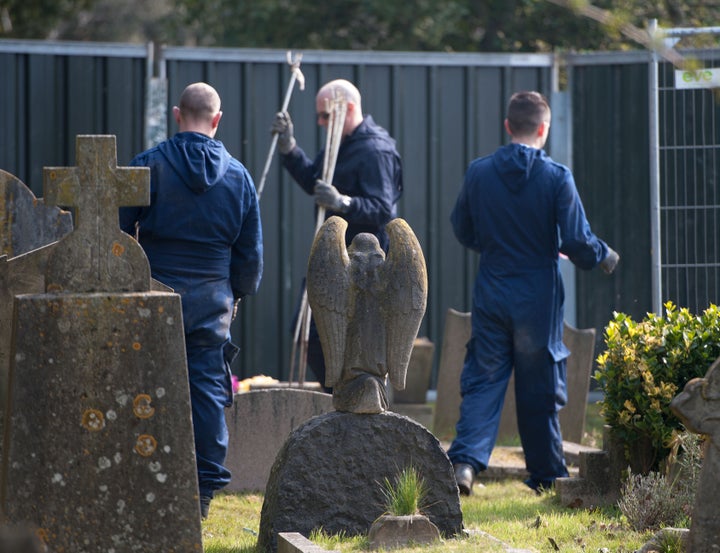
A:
x: 137, y: 346
x: 146, y: 445
x: 42, y: 534
x: 142, y: 406
x: 118, y: 249
x: 93, y: 420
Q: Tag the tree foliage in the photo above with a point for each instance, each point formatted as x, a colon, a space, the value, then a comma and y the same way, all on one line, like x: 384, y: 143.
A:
x: 433, y: 25
x: 407, y: 25
x: 36, y: 18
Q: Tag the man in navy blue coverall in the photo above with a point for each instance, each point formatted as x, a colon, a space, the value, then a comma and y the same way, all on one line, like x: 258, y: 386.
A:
x: 203, y: 237
x: 367, y: 182
x: 519, y: 209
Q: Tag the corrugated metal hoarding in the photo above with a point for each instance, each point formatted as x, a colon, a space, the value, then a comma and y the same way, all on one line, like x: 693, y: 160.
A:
x: 443, y: 109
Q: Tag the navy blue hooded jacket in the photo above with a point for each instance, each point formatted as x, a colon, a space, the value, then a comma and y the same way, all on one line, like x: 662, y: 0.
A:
x: 368, y: 169
x: 519, y: 209
x: 201, y: 232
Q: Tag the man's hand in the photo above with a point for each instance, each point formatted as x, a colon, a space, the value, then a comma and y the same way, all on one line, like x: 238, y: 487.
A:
x: 327, y: 196
x: 282, y: 125
x: 611, y: 260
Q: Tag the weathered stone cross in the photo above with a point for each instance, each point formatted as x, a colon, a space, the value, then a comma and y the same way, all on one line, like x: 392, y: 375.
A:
x: 97, y: 256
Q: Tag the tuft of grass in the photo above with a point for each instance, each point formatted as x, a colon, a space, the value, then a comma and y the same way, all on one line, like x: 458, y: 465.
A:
x: 406, y: 494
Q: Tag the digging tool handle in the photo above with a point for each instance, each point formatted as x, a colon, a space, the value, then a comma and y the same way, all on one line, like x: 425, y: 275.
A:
x: 296, y: 75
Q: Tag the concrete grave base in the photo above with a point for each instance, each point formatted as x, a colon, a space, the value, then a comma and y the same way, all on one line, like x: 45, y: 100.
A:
x: 390, y: 531
x: 330, y: 474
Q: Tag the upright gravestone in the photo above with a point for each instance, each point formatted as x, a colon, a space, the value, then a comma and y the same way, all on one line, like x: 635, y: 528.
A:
x: 26, y: 224
x: 99, y: 446
x: 458, y: 329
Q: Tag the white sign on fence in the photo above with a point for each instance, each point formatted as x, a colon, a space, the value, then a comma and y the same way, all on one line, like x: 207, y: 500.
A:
x: 697, y: 78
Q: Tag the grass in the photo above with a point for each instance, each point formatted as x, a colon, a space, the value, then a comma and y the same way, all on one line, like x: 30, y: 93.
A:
x: 406, y: 494
x: 501, y: 514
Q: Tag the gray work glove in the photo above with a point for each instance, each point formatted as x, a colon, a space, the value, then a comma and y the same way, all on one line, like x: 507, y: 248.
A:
x: 283, y: 127
x: 327, y: 196
x: 611, y: 260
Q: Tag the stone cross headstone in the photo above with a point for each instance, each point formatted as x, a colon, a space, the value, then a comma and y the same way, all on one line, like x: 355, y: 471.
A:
x: 99, y: 445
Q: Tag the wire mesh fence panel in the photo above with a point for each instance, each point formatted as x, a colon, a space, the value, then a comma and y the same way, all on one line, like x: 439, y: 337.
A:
x: 689, y: 188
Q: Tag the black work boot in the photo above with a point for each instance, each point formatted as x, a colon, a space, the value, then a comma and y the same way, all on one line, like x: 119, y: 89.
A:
x: 204, y: 506
x: 464, y: 476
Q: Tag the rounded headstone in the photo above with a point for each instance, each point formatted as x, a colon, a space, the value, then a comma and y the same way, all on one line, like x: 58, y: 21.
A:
x: 330, y: 475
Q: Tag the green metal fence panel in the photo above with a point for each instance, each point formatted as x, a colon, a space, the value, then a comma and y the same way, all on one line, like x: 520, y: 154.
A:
x: 53, y: 91
x: 443, y: 109
x: 611, y: 168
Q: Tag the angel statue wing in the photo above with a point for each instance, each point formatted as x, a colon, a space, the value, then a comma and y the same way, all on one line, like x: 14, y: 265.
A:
x: 327, y: 290
x: 405, y: 275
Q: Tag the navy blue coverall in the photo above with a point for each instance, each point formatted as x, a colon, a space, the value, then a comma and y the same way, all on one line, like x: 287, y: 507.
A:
x: 519, y: 209
x: 203, y: 237
x: 369, y: 170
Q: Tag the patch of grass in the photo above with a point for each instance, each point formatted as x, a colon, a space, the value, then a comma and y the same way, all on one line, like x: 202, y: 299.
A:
x: 233, y: 524
x: 502, y: 514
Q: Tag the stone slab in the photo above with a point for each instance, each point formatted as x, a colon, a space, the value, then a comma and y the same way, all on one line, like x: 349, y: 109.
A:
x: 259, y: 422
x: 581, y: 343
x: 293, y: 542
x: 99, y: 436
x: 330, y: 472
x: 422, y: 413
x: 452, y: 356
x: 419, y: 371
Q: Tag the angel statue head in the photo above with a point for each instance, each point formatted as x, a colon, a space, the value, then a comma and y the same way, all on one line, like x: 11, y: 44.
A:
x: 367, y: 308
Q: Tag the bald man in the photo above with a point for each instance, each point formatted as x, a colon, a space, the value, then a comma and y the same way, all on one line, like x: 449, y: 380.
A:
x: 202, y: 234
x: 367, y: 182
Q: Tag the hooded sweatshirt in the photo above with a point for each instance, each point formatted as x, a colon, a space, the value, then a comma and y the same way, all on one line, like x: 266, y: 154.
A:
x: 368, y: 169
x: 202, y: 231
x: 518, y: 209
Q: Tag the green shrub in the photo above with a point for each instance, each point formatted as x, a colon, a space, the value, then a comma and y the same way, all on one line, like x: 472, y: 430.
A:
x: 645, y: 365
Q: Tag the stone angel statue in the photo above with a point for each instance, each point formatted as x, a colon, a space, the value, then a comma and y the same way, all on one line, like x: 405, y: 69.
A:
x: 367, y: 309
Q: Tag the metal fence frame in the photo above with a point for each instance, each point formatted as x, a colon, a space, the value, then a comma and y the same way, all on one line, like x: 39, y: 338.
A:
x: 661, y: 210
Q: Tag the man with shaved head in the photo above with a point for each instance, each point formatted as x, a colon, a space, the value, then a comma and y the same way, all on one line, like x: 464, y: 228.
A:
x: 367, y: 182
x: 203, y: 237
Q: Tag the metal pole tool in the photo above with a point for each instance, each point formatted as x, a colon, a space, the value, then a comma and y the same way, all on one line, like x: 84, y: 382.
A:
x: 295, y: 75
